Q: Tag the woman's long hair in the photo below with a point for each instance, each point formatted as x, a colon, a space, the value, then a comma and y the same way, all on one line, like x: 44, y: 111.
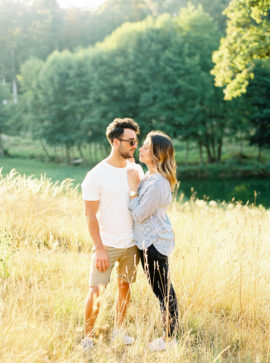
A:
x: 163, y: 155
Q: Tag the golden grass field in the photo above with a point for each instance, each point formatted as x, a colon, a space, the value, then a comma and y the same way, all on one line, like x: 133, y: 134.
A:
x: 220, y: 270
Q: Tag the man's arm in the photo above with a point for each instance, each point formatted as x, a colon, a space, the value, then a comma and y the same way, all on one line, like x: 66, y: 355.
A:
x: 91, y: 208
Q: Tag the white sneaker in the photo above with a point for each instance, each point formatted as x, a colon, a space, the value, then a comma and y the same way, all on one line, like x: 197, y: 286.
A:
x: 160, y: 344
x: 120, y: 335
x: 87, y: 344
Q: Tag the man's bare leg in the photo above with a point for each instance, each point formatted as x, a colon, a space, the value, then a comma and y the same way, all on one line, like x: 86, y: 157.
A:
x: 122, y: 301
x: 91, y: 310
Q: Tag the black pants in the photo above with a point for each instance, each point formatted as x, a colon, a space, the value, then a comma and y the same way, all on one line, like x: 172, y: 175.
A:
x: 156, y: 267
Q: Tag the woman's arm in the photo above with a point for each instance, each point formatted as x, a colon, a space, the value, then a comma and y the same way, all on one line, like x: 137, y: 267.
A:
x: 143, y: 208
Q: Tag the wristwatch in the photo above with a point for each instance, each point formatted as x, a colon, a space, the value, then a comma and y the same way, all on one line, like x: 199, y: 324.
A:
x: 133, y: 193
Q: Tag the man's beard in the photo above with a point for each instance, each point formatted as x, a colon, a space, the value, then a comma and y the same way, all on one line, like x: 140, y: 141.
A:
x: 125, y: 155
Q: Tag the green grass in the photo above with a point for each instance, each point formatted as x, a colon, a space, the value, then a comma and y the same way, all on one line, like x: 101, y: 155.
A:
x: 215, y: 188
x: 27, y: 148
x: 230, y: 151
x: 57, y: 172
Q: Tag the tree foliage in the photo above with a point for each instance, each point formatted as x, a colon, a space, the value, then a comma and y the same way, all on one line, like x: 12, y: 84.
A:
x: 5, y: 114
x: 257, y: 97
x: 156, y: 71
x: 247, y: 40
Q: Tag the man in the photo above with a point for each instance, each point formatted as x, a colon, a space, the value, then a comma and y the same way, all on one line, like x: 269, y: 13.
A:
x: 106, y: 194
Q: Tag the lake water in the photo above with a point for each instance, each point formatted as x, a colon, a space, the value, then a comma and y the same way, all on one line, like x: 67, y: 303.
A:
x: 226, y: 189
x: 216, y: 189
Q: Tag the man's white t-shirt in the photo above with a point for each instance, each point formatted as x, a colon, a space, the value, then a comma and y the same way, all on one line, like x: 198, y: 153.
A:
x: 109, y: 185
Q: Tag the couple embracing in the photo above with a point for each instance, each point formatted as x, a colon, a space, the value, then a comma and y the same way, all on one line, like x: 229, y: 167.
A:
x: 127, y: 221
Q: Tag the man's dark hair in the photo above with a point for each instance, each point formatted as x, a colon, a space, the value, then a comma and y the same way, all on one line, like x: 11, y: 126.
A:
x: 116, y: 128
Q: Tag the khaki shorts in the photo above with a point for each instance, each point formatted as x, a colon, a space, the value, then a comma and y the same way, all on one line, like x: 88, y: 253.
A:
x: 126, y: 269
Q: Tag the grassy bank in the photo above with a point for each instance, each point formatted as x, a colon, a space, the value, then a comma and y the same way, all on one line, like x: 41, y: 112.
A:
x: 231, y: 169
x: 236, y: 161
x: 206, y: 188
x: 220, y: 271
x: 56, y: 171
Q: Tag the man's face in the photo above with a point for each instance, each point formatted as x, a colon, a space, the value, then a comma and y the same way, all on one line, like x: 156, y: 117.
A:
x: 124, y: 147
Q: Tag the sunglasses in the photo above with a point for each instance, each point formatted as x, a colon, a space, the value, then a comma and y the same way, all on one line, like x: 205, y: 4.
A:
x: 131, y: 142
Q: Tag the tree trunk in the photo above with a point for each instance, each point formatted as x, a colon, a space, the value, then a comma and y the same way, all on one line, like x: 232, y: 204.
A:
x: 89, y: 152
x: 79, y: 147
x: 220, y: 143
x: 4, y: 83
x: 105, y: 150
x: 102, y: 151
x: 56, y: 158
x: 209, y: 155
x: 213, y: 145
x: 68, y: 154
x: 15, y: 89
x: 95, y: 152
x: 45, y: 149
x: 71, y: 153
x: 14, y: 82
x: 241, y: 145
x: 187, y: 152
x: 2, y: 151
x: 201, y: 153
x: 259, y: 153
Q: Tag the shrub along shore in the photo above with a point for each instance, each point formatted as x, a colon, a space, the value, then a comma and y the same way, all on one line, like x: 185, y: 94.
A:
x: 224, y: 170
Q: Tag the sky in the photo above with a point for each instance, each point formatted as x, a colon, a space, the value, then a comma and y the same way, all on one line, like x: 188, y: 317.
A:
x: 85, y: 4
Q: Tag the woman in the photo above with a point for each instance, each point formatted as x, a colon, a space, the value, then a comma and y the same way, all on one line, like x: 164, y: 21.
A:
x: 149, y: 200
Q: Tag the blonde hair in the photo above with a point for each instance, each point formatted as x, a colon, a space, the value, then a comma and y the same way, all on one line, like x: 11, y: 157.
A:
x: 163, y: 155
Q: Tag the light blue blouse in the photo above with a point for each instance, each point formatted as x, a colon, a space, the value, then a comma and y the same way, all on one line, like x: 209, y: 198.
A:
x: 149, y: 212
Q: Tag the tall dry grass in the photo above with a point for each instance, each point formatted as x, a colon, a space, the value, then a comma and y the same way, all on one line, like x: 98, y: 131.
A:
x: 220, y: 270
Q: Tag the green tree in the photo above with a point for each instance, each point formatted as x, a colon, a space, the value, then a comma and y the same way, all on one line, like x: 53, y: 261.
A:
x: 26, y: 29
x: 59, y: 123
x: 4, y: 114
x: 157, y: 71
x: 114, y: 13
x: 247, y: 40
x: 205, y: 116
x: 45, y: 30
x: 30, y: 108
x: 258, y: 97
x: 12, y: 38
x: 213, y: 8
x: 50, y: 100
x: 9, y: 122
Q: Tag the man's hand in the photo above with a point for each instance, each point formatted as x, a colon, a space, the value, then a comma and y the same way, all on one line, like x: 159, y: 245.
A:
x: 102, y: 259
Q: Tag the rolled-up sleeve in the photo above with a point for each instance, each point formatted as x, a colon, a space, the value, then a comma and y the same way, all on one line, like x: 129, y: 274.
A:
x: 143, y: 207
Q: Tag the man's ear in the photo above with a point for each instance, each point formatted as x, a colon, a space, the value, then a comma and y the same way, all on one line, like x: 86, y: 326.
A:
x: 115, y: 143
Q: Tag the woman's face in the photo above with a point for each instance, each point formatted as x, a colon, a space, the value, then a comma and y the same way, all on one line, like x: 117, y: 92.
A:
x: 145, y: 152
